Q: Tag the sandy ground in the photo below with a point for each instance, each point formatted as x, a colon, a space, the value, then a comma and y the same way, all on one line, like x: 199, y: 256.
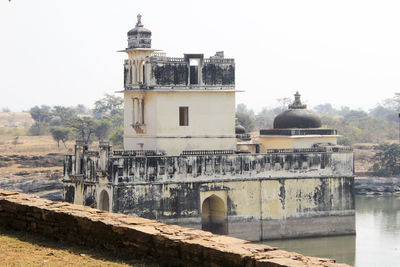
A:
x: 33, y: 156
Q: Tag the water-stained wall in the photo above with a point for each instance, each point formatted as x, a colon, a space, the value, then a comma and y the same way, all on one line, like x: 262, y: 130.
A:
x: 271, y: 195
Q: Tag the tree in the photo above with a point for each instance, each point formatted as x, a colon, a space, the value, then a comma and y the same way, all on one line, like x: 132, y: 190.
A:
x: 42, y: 116
x: 265, y: 118
x: 245, y: 117
x: 117, y: 136
x: 84, y: 127
x: 326, y: 109
x: 102, y: 129
x: 63, y: 113
x: 81, y: 109
x: 388, y: 160
x: 283, y: 104
x: 108, y: 106
x: 60, y: 133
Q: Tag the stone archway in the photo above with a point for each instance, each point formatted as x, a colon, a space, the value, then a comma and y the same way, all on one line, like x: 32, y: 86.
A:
x: 214, y: 215
x: 104, y: 202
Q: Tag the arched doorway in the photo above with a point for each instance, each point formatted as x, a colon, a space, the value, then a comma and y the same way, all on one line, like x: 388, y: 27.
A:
x: 104, y: 203
x: 214, y: 216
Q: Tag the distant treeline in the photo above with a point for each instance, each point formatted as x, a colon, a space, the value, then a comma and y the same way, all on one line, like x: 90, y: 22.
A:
x: 355, y: 126
x: 103, y: 122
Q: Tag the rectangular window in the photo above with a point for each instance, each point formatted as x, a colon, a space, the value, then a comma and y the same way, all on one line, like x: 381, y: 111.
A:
x: 183, y: 116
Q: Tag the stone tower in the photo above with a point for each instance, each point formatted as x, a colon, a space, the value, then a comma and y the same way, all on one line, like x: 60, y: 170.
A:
x: 176, y: 104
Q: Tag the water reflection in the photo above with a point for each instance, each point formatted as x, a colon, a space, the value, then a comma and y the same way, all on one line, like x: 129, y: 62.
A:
x: 377, y: 242
x: 341, y: 248
x: 378, y: 231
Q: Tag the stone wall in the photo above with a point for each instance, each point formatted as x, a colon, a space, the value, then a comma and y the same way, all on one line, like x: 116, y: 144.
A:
x: 284, y: 194
x: 140, y: 238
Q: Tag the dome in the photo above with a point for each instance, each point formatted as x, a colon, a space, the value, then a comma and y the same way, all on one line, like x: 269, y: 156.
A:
x: 139, y: 37
x: 239, y: 129
x: 297, y: 116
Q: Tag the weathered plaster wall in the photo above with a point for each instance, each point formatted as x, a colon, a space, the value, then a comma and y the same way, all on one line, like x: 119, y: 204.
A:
x: 256, y: 202
x: 277, y: 193
x: 137, y: 238
x: 171, y: 73
x: 214, y: 74
x: 175, y: 71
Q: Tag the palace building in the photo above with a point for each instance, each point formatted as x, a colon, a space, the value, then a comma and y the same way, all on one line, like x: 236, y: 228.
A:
x: 186, y: 162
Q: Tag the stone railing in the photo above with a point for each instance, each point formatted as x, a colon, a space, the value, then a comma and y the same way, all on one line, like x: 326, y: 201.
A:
x: 137, y: 153
x: 207, y: 152
x: 244, y: 137
x: 219, y: 60
x: 317, y: 149
x: 175, y: 59
x: 138, y: 238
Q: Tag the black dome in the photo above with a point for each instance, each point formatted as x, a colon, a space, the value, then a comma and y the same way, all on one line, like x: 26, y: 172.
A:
x: 239, y: 129
x: 297, y: 116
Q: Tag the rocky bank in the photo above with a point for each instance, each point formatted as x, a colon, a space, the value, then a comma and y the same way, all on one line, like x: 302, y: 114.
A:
x: 377, y: 185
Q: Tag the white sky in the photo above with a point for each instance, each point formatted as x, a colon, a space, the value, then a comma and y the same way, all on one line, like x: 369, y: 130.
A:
x: 64, y: 52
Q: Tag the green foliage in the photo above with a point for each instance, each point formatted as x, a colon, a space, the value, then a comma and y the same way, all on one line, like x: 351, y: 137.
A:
x: 388, y: 160
x: 117, y: 136
x: 42, y: 116
x: 245, y: 117
x: 108, y: 106
x: 81, y: 109
x: 102, y: 129
x: 265, y: 119
x: 84, y: 127
x: 6, y: 109
x: 13, y: 131
x: 60, y: 133
x: 62, y: 114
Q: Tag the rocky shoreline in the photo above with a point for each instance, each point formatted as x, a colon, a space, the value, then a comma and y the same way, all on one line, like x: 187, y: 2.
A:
x: 51, y: 189
x: 30, y: 174
x: 377, y: 185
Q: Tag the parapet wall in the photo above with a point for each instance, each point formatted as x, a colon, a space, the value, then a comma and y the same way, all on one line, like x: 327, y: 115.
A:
x: 139, y: 238
x: 128, y: 167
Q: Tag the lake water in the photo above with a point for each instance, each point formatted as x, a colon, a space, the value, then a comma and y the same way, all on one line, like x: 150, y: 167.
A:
x: 377, y: 242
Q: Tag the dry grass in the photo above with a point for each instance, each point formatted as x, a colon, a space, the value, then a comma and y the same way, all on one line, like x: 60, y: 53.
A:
x: 32, y: 145
x: 9, y: 120
x: 28, y: 249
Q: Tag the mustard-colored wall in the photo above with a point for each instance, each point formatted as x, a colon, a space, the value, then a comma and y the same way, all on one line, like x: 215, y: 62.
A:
x: 287, y: 142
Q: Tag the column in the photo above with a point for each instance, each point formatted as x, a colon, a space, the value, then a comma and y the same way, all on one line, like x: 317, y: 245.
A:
x: 135, y: 111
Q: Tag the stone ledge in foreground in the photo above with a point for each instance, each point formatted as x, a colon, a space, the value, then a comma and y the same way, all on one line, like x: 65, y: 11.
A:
x: 139, y: 238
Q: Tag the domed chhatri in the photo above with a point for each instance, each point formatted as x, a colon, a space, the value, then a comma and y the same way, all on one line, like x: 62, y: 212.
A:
x: 139, y: 37
x: 239, y: 129
x: 297, y: 116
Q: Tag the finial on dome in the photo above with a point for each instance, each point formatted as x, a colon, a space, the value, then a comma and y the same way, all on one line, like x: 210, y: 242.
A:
x: 297, y: 102
x: 139, y: 21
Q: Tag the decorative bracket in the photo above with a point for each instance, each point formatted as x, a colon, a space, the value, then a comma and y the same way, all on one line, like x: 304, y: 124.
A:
x: 139, y: 128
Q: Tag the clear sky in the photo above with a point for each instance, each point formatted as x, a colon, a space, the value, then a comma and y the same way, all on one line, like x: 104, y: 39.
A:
x: 64, y: 52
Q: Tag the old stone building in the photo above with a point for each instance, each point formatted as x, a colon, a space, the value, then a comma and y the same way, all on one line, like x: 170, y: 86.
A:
x: 176, y: 104
x: 181, y: 165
